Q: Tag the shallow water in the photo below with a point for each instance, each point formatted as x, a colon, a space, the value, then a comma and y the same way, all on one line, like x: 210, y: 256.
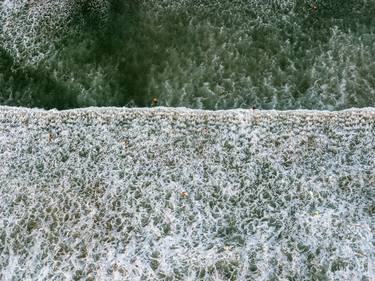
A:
x: 199, y: 54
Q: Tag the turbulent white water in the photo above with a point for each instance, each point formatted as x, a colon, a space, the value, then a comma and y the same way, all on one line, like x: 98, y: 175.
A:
x: 177, y: 194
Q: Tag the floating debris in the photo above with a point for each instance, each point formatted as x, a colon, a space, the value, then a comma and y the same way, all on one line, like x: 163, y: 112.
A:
x: 154, y: 102
x: 184, y: 194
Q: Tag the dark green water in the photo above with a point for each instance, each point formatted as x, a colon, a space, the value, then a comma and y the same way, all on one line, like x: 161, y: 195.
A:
x: 200, y: 54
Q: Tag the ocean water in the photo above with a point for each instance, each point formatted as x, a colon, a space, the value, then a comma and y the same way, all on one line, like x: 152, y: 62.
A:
x: 108, y: 193
x: 203, y: 54
x: 187, y: 195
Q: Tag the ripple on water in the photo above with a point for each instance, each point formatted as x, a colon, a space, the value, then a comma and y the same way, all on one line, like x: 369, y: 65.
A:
x: 199, y: 54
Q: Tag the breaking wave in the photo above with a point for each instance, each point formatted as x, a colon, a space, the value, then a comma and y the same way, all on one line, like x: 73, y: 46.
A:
x: 173, y: 194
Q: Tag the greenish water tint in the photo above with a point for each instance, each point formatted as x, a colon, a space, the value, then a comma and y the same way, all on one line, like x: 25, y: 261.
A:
x: 200, y: 54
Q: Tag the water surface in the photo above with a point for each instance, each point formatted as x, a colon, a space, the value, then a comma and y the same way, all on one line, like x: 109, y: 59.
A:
x: 199, y: 54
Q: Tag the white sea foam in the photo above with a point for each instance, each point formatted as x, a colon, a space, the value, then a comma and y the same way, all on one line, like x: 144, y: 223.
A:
x: 179, y: 194
x: 30, y: 29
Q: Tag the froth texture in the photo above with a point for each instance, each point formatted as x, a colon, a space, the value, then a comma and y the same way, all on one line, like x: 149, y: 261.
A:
x: 176, y: 194
x: 225, y: 54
